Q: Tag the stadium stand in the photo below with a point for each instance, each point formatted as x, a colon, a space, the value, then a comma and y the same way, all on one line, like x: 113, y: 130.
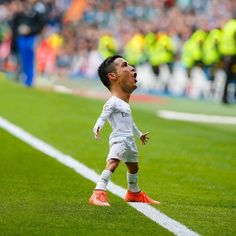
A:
x: 176, y: 44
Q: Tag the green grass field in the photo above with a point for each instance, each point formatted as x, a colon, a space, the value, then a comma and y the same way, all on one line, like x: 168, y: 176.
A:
x: 189, y: 167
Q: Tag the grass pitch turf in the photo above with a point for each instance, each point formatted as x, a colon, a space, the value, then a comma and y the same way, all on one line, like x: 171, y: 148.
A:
x: 189, y: 167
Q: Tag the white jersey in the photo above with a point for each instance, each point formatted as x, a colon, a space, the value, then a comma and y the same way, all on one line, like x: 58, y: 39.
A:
x: 118, y: 114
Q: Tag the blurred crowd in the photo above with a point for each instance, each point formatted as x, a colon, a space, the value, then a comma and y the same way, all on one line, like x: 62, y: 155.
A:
x: 70, y: 38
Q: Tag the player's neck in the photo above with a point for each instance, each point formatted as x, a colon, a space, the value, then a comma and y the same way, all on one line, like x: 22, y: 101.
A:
x: 121, y: 95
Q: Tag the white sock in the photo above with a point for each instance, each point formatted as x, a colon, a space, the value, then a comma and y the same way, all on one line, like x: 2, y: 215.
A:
x: 133, y: 182
x: 103, y: 180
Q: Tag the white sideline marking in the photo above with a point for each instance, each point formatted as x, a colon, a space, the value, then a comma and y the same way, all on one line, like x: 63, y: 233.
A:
x: 149, y: 211
x: 173, y: 115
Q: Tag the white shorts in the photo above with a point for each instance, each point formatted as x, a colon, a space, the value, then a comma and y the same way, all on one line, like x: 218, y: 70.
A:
x: 125, y: 151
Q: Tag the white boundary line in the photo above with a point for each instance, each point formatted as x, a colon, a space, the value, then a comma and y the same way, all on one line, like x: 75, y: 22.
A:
x: 191, y: 117
x: 149, y: 211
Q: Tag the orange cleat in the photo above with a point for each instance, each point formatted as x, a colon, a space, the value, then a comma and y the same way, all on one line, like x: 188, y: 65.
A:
x: 99, y: 198
x: 139, y: 197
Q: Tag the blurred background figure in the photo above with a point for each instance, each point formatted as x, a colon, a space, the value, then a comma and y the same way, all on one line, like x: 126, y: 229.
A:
x: 27, y: 22
x: 180, y: 47
x: 5, y: 37
x: 228, y: 50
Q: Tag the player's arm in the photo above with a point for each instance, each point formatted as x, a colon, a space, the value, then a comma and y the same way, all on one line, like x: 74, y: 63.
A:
x: 106, y: 113
x: 142, y: 136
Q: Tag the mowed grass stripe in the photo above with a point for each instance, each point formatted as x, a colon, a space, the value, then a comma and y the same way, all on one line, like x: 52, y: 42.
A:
x: 152, y: 213
x: 39, y: 196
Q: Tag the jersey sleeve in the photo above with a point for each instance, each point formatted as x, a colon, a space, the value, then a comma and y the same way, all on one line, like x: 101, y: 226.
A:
x: 136, y: 130
x: 108, y: 108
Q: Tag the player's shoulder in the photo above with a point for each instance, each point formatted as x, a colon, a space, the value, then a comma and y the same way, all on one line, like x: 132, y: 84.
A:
x: 114, y: 100
x: 111, y: 102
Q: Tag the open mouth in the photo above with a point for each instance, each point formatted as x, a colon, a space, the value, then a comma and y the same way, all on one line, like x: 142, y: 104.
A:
x: 135, y: 76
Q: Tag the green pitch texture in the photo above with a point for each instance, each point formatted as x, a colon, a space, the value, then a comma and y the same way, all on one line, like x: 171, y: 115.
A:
x: 189, y: 167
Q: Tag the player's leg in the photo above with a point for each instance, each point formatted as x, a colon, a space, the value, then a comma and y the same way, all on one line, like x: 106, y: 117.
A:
x: 99, y: 196
x: 104, y: 178
x: 132, y: 176
x: 134, y: 194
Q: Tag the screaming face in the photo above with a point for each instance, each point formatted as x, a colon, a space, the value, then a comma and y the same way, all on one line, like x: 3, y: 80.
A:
x: 126, y: 75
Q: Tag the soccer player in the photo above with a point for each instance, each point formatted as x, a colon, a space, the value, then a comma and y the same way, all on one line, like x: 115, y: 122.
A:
x: 120, y: 78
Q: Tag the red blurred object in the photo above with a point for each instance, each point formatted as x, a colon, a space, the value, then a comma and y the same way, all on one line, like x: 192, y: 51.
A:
x: 5, y: 48
x: 169, y: 3
x: 45, y: 57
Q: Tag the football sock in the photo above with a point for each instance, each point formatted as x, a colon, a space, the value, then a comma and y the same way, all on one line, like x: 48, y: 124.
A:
x: 133, y: 182
x: 103, y: 180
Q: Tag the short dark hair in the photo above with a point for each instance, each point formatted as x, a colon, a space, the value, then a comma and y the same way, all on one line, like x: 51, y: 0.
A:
x: 106, y: 67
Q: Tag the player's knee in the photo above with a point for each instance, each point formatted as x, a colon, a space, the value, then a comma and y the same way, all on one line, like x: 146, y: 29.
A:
x: 112, y: 164
x: 132, y: 168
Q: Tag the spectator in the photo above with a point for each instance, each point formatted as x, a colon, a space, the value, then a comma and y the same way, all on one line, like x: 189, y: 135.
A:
x: 122, y: 20
x: 26, y: 24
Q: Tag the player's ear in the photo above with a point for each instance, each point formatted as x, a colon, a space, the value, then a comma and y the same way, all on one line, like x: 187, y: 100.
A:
x: 112, y: 76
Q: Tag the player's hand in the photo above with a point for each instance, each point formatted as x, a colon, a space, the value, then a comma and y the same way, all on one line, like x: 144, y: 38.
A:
x: 96, y: 133
x: 144, y: 138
